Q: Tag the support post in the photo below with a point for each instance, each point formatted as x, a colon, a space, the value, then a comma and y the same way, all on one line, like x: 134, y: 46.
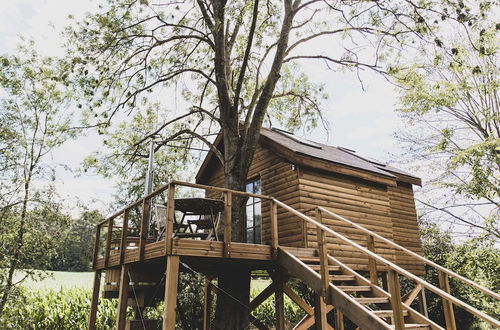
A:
x: 323, y: 259
x: 274, y: 229
x: 449, y: 315
x: 320, y: 313
x: 169, y: 230
x: 121, y: 313
x: 170, y: 301
x: 422, y: 302
x: 397, y: 307
x: 372, y: 264
x: 108, y: 242
x: 146, y: 203
x: 95, y: 299
x: 207, y: 302
x: 96, y: 245
x: 279, y: 299
x: 123, y: 241
x: 228, y: 200
x: 339, y: 320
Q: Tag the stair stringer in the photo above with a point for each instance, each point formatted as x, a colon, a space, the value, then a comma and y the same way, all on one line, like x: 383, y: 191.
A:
x: 413, y: 315
x: 342, y: 301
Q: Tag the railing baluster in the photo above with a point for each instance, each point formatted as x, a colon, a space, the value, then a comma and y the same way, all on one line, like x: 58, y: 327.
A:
x: 123, y: 241
x: 96, y: 245
x: 397, y: 307
x: 228, y: 200
x: 372, y: 263
x: 323, y: 258
x: 108, y: 241
x: 146, y: 203
x: 169, y: 229
x: 449, y: 315
x: 274, y: 228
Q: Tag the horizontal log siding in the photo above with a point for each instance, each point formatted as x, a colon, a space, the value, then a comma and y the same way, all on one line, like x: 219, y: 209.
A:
x: 405, y: 226
x: 277, y: 180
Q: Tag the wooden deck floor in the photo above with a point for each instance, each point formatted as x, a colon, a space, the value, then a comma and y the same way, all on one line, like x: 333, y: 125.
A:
x: 189, y: 247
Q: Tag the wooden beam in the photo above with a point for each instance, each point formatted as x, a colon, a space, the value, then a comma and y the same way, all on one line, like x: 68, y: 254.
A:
x: 449, y: 315
x: 228, y: 200
x: 410, y: 296
x: 95, y: 300
x: 274, y: 229
x: 146, y: 203
x: 262, y: 296
x: 323, y: 258
x: 121, y: 312
x: 170, y: 300
x: 123, y: 241
x: 259, y: 325
x: 422, y: 301
x: 372, y: 264
x: 397, y: 307
x: 108, y: 242
x: 279, y: 302
x: 96, y: 245
x: 298, y: 300
x: 320, y: 312
x: 169, y: 229
x: 207, y: 301
x: 339, y: 320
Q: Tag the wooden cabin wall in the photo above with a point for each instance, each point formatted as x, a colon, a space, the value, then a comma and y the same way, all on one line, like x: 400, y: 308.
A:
x: 357, y: 200
x: 279, y: 180
x: 404, y: 224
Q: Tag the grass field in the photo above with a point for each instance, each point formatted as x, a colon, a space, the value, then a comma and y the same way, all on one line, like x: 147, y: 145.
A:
x: 58, y: 280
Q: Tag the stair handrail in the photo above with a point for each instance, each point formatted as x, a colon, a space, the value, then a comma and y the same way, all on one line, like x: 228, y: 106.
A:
x: 415, y: 255
x: 393, y: 266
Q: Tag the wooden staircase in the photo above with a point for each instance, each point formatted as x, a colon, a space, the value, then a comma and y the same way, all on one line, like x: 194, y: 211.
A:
x: 364, y: 303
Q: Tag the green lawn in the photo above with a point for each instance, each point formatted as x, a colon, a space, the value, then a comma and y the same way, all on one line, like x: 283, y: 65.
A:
x: 58, y: 280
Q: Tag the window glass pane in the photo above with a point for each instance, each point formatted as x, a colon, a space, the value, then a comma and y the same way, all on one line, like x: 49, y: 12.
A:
x: 250, y: 235
x: 257, y: 214
x: 257, y: 186
x: 257, y: 234
x: 249, y: 215
x: 249, y: 187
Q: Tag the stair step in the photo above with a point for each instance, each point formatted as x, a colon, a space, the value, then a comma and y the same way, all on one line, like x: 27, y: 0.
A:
x: 416, y: 326
x: 372, y: 300
x: 388, y: 313
x: 342, y: 278
x: 355, y: 288
x: 330, y: 268
x: 309, y: 259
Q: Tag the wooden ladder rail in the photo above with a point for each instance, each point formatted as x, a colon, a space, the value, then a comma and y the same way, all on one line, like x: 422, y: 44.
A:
x: 393, y: 266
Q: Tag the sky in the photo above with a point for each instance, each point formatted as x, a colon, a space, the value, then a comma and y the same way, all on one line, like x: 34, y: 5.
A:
x: 361, y: 120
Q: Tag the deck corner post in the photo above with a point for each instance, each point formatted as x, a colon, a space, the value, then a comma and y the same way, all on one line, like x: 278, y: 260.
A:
x: 449, y: 314
x: 372, y: 263
x: 274, y: 229
x: 121, y: 313
x: 96, y: 245
x: 95, y: 299
x: 109, y: 236
x: 123, y: 240
x: 146, y: 206
x: 279, y: 299
x: 228, y: 200
x: 169, y: 230
x: 170, y: 300
x: 396, y: 304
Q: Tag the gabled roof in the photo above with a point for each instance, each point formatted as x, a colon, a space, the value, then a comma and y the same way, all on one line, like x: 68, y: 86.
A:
x: 325, y: 157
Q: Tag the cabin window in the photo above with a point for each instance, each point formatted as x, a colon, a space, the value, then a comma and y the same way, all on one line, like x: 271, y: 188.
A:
x: 253, y: 212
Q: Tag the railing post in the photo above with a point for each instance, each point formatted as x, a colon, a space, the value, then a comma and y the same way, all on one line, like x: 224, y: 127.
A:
x: 274, y: 228
x: 372, y: 263
x: 96, y: 245
x: 123, y: 241
x: 146, y: 203
x: 169, y: 229
x: 108, y: 241
x: 397, y: 307
x: 228, y: 200
x: 449, y: 315
x: 323, y: 259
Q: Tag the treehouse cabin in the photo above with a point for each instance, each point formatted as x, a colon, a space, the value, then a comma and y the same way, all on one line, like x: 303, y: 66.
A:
x: 305, y: 174
x: 342, y: 224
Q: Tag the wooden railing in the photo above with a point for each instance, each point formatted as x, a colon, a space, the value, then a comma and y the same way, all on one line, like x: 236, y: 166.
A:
x: 393, y: 270
x: 143, y: 226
